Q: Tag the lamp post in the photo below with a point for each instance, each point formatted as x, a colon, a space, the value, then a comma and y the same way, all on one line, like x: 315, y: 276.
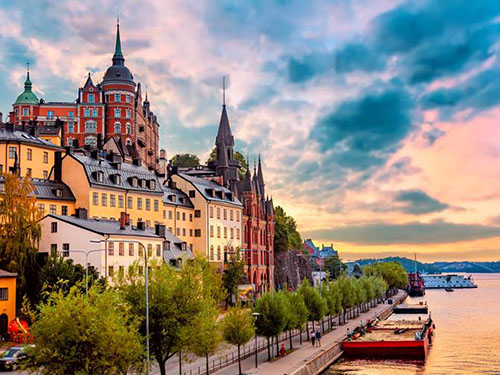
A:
x: 255, y: 316
x: 146, y: 291
x: 86, y: 252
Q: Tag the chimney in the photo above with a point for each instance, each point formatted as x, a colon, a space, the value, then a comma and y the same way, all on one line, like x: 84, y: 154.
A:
x: 99, y: 141
x: 160, y: 230
x: 94, y: 154
x: 81, y: 213
x: 123, y: 220
x: 137, y: 161
x: 9, y: 127
x: 58, y: 166
x: 23, y: 124
x: 141, y: 225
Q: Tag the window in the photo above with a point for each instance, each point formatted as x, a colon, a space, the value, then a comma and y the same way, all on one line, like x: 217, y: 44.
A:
x: 197, y: 213
x: 121, y: 249
x: 211, y: 230
x: 29, y: 154
x: 50, y: 114
x: 127, y: 113
x: 178, y: 215
x: 26, y: 111
x: 184, y: 232
x: 53, y: 227
x: 117, y: 97
x: 41, y: 208
x: 231, y: 216
x: 192, y: 193
x: 95, y: 199
x: 150, y: 249
x: 130, y: 202
x: 152, y: 184
x: 183, y: 216
x: 232, y: 233
x: 95, y: 112
x: 191, y: 233
x: 91, y: 98
x: 70, y: 141
x: 12, y: 152
x: 131, y: 249
x: 64, y: 210
x: 156, y: 205
x: 218, y: 232
x: 90, y: 127
x: 111, y: 248
x: 120, y: 201
x: 164, y: 214
x: 127, y: 98
x: 211, y: 252
x: 91, y: 141
x: 65, y: 250
x: 45, y: 157
x: 118, y: 127
x: 53, y: 249
x: 225, y: 232
x: 71, y: 114
x: 71, y: 128
x: 112, y: 200
x: 158, y: 250
x: 139, y: 203
x: 28, y: 172
x: 104, y: 199
x: 141, y: 251
x: 225, y: 214
x: 190, y: 217
x: 53, y: 209
x: 118, y: 112
x: 218, y: 252
x: 45, y: 174
x: 238, y: 216
x: 211, y: 212
x: 237, y: 233
x: 86, y: 112
x: 127, y: 127
x: 121, y: 270
x: 148, y: 204
x: 111, y: 271
x: 218, y: 212
x: 170, y: 215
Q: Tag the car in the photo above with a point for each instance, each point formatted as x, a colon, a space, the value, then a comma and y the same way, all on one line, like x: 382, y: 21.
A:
x: 12, y: 357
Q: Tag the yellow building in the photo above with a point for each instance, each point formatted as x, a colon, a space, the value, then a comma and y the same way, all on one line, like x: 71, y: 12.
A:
x: 106, y: 187
x: 24, y: 154
x: 7, y: 300
x: 53, y: 197
x: 217, y: 216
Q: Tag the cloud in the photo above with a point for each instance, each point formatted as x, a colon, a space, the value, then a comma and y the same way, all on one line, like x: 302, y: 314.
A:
x: 381, y: 233
x: 433, y: 135
x: 418, y: 202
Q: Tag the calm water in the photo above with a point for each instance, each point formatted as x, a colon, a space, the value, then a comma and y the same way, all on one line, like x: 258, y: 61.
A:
x: 467, y: 339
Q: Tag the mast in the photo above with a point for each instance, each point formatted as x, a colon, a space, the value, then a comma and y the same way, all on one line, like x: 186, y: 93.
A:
x: 415, y: 264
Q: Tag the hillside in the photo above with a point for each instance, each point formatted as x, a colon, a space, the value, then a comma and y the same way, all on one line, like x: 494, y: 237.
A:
x: 438, y: 267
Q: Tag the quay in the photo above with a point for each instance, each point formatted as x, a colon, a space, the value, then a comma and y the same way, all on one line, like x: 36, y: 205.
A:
x: 306, y: 359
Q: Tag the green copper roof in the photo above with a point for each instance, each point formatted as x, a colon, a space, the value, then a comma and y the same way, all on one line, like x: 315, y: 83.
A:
x: 27, y: 97
x: 118, y: 45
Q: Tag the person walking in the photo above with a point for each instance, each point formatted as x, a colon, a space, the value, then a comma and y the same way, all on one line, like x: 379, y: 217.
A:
x: 318, y: 338
x: 313, y: 339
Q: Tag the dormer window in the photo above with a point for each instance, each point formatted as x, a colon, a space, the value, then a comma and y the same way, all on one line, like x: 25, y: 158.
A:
x: 133, y: 181
x: 167, y: 245
x: 173, y: 198
x: 183, y: 246
x: 152, y: 184
x: 58, y: 193
x: 99, y: 176
x: 143, y: 184
x: 222, y: 195
x: 117, y: 179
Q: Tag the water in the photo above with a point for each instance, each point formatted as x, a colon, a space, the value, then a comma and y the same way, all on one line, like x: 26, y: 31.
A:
x: 467, y: 336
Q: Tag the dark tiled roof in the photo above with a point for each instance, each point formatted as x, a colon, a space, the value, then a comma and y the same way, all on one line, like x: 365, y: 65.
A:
x: 176, y: 197
x: 7, y: 274
x: 23, y: 137
x: 127, y: 172
x: 45, y: 189
x: 206, y: 186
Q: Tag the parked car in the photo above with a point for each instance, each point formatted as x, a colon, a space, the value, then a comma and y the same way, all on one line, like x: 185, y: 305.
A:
x: 12, y: 357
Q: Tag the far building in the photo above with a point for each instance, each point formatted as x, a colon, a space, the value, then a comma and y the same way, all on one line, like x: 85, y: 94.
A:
x: 7, y: 301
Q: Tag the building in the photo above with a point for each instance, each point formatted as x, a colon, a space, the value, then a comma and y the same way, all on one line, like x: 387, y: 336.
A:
x: 112, y: 245
x: 217, y: 216
x: 7, y: 300
x: 319, y: 254
x: 113, y: 108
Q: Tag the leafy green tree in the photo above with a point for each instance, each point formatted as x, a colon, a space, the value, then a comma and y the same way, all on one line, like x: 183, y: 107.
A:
x: 297, y: 313
x: 272, y: 316
x: 348, y: 295
x: 335, y: 267
x: 186, y: 160
x: 20, y: 231
x: 392, y: 272
x: 177, y: 300
x: 76, y: 334
x: 237, y: 156
x: 316, y: 305
x: 286, y: 235
x: 234, y: 272
x: 238, y: 328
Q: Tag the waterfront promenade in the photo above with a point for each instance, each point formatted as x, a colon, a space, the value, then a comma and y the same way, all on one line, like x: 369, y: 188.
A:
x: 304, y: 353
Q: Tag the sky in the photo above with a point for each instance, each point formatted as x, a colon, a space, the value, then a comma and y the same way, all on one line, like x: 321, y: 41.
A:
x: 377, y: 121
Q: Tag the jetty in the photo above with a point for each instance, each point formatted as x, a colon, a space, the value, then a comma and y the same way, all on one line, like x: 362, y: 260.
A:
x: 306, y: 359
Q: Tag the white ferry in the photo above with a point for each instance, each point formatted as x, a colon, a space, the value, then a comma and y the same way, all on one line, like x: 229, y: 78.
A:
x: 448, y: 280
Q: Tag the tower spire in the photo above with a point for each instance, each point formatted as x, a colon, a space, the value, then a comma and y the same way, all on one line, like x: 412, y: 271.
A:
x: 223, y: 91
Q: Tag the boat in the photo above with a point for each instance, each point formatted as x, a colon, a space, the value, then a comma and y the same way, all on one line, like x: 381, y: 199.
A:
x: 448, y: 280
x: 415, y: 308
x: 449, y: 289
x: 391, y: 339
x: 416, y: 286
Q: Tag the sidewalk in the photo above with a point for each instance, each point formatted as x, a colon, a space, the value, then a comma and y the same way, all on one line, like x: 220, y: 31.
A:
x: 301, y: 352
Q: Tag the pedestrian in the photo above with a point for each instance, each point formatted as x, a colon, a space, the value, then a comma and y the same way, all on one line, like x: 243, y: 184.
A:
x: 318, y: 338
x: 282, y: 350
x: 313, y: 338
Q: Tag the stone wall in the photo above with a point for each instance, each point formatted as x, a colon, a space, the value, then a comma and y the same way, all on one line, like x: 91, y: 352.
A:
x: 291, y: 267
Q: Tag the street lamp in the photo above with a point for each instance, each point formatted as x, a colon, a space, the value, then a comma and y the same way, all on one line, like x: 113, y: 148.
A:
x: 146, y: 290
x: 255, y: 316
x: 86, y: 264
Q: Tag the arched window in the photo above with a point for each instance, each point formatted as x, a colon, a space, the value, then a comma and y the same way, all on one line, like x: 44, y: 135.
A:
x: 118, y: 127
x: 128, y: 128
x: 128, y: 142
x: 218, y: 252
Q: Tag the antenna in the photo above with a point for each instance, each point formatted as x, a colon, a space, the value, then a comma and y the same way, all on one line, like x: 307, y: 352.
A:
x: 224, y: 91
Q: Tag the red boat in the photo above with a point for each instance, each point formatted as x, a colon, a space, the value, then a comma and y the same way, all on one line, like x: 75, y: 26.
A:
x: 391, y: 339
x: 416, y: 286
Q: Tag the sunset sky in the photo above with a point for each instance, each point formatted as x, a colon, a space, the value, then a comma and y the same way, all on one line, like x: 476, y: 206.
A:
x: 378, y: 122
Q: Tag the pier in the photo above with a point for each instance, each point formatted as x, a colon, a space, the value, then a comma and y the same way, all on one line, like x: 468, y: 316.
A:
x: 306, y: 359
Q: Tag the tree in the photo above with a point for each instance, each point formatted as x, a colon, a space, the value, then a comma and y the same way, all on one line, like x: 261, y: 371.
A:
x: 335, y: 266
x: 272, y: 316
x: 347, y: 294
x: 186, y: 160
x: 286, y: 236
x: 76, y: 334
x: 316, y: 305
x: 237, y: 156
x: 178, y: 300
x: 20, y: 230
x: 392, y: 272
x: 297, y: 313
x: 232, y: 275
x: 238, y: 328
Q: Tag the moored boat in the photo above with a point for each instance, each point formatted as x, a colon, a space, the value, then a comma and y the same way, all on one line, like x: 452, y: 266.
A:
x: 448, y: 280
x: 416, y: 287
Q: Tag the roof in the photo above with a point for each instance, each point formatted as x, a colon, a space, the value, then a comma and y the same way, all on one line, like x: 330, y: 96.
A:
x: 206, y: 186
x: 7, y: 274
x: 126, y: 171
x: 176, y: 197
x: 45, y: 189
x: 27, y: 96
x: 104, y: 226
x: 224, y: 132
x: 23, y: 137
x: 118, y: 71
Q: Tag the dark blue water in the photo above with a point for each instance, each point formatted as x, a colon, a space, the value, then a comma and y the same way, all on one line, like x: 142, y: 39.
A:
x: 467, y: 339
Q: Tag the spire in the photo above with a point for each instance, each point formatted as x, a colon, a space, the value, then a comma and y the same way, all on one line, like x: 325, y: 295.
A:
x: 118, y: 56
x: 88, y: 82
x: 27, y: 84
x: 223, y: 91
x: 222, y: 165
x: 224, y: 133
x: 260, y: 178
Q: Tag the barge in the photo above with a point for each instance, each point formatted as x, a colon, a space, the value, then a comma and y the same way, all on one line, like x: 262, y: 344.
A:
x: 408, y: 308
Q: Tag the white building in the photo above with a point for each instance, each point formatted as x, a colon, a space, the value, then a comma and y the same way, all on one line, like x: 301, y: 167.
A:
x: 120, y: 243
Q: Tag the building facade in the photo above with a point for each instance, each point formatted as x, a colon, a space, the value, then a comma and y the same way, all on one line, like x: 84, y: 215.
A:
x: 7, y: 300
